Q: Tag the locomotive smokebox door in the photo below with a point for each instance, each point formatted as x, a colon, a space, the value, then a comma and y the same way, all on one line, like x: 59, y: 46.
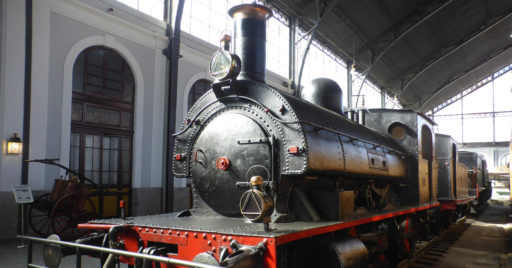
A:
x: 223, y: 154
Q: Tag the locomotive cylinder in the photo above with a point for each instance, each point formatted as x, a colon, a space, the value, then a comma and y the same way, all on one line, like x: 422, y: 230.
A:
x: 250, y: 39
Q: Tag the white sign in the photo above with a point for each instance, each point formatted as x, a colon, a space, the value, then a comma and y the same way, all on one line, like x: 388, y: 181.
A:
x: 22, y: 194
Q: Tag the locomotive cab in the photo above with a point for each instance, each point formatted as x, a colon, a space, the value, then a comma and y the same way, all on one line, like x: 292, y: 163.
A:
x: 414, y: 132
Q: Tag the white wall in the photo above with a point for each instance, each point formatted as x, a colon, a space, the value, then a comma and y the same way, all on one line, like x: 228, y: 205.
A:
x: 11, y: 87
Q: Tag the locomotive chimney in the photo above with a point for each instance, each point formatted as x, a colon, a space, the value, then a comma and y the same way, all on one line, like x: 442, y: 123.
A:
x: 250, y: 38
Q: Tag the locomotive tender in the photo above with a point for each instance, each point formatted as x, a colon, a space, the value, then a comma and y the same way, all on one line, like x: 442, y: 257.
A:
x: 286, y: 181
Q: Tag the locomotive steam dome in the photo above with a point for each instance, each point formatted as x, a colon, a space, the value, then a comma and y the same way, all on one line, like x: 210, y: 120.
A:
x: 325, y: 93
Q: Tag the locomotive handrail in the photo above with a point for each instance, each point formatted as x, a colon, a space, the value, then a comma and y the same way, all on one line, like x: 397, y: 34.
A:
x: 112, y: 251
x: 267, y: 110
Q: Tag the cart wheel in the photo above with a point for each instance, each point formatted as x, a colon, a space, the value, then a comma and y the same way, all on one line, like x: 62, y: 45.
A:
x: 38, y: 215
x: 68, y: 212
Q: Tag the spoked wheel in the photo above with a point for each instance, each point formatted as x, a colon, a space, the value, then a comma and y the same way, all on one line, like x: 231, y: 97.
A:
x: 38, y: 215
x: 68, y: 212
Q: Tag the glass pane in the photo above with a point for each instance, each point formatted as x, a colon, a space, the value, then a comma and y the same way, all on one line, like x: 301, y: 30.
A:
x: 95, y: 56
x: 113, y: 160
x: 126, y: 160
x: 113, y: 178
x: 129, y: 84
x: 114, y: 143
x: 74, y: 158
x: 96, y: 176
x: 105, y: 176
x: 93, y: 88
x: 478, y: 129
x: 88, y: 140
x: 503, y: 93
x: 106, y: 142
x: 479, y: 101
x: 454, y: 108
x: 95, y: 71
x: 75, y: 139
x: 76, y: 112
x: 94, y: 80
x: 105, y: 161
x: 78, y: 74
x: 503, y: 127
x: 94, y: 115
x: 96, y: 159
x: 126, y: 178
x: 450, y: 125
x: 114, y: 76
x: 88, y: 175
x: 111, y: 117
x: 97, y: 141
x: 114, y: 85
x: 113, y: 61
x: 88, y: 159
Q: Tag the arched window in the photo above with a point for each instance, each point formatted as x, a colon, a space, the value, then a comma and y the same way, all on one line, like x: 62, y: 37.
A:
x: 102, y: 120
x: 197, y: 90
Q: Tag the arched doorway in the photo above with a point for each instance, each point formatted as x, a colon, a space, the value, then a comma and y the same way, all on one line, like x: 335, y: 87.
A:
x: 103, y: 90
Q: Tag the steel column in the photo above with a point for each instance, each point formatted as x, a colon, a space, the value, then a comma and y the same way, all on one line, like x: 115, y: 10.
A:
x: 172, y: 54
x: 383, y: 93
x: 349, y: 84
x: 292, y: 24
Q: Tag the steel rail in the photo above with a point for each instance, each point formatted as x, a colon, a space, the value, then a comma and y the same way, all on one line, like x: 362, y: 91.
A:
x: 118, y: 252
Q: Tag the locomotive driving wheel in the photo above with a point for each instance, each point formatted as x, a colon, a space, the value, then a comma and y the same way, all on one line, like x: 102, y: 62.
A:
x: 68, y: 212
x: 38, y: 215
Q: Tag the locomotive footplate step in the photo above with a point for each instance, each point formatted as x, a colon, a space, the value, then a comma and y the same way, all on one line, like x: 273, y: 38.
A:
x: 284, y: 232
x: 482, y: 242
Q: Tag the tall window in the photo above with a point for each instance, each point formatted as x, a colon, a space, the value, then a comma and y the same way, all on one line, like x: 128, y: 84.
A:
x: 197, y: 90
x: 102, y: 118
x: 481, y: 113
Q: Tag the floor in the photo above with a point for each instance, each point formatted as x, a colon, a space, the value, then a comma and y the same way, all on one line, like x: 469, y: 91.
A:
x: 486, y: 243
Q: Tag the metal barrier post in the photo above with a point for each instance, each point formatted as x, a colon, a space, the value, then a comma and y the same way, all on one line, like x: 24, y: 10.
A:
x: 29, y: 253
x: 78, y: 258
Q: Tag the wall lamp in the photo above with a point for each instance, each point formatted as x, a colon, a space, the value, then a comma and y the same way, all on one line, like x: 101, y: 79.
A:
x: 14, y: 144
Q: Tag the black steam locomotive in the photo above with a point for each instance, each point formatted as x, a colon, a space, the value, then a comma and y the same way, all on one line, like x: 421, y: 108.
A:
x: 286, y: 181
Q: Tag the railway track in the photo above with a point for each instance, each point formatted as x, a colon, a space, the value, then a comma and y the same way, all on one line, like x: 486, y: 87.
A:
x: 428, y: 253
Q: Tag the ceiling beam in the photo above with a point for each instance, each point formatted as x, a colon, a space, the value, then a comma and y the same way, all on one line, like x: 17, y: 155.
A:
x: 457, y: 47
x: 468, y: 71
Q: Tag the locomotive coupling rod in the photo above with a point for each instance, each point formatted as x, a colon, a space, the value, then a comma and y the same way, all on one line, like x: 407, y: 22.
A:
x: 118, y: 252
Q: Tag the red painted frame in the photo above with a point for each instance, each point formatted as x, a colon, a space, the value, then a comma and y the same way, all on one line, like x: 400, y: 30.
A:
x: 452, y: 204
x: 191, y: 243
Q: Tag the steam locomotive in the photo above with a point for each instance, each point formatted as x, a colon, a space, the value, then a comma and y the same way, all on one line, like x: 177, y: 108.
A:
x: 293, y: 181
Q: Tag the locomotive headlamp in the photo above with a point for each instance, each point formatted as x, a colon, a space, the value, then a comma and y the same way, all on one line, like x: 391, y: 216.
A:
x: 224, y: 65
x: 14, y: 144
x: 52, y: 254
